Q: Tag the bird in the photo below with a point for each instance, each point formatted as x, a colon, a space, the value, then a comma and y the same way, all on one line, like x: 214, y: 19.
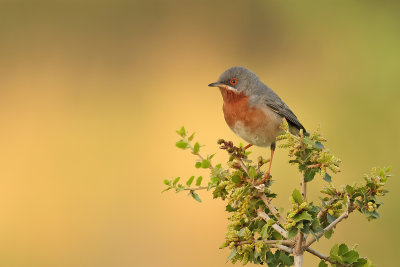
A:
x: 253, y: 111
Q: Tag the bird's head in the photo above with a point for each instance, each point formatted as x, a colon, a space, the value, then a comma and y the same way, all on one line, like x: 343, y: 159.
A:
x: 238, y: 80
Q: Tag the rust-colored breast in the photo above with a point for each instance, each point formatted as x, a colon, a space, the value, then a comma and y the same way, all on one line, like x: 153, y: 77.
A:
x: 236, y: 108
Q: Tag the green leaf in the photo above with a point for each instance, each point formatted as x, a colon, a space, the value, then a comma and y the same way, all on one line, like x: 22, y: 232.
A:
x: 319, y: 145
x: 286, y: 259
x: 176, y: 180
x: 233, y: 254
x: 302, y: 216
x: 181, y: 144
x: 297, y: 196
x: 350, y: 256
x: 191, y: 137
x: 196, y: 148
x: 236, y: 179
x: 322, y: 263
x: 328, y: 234
x: 334, y: 250
x: 182, y: 132
x: 229, y: 208
x: 264, y: 231
x: 327, y: 177
x: 190, y: 181
x: 198, y: 181
x: 205, y: 164
x: 196, y: 196
x: 292, y: 232
x: 167, y: 182
x: 349, y: 190
x: 198, y: 164
x: 252, y: 173
x: 166, y: 189
x: 309, y: 174
x: 342, y: 249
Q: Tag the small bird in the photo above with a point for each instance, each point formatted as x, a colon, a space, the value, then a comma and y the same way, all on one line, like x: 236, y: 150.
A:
x: 253, y: 111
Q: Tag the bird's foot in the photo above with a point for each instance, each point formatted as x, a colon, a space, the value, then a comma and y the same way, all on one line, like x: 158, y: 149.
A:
x: 246, y: 147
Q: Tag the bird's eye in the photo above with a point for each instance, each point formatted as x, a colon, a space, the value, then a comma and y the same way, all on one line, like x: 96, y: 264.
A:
x: 233, y: 81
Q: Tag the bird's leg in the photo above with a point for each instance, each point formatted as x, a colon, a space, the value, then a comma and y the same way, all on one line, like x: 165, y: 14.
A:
x: 267, y: 174
x: 249, y: 145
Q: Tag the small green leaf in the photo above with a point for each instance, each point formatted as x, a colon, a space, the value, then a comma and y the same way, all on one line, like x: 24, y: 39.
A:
x: 181, y: 144
x: 252, y: 173
x: 264, y: 231
x: 182, y: 132
x: 198, y: 181
x: 286, y: 259
x: 176, y: 180
x: 322, y: 263
x: 196, y: 148
x: 319, y: 145
x: 342, y: 249
x: 233, y: 254
x: 229, y: 208
x: 198, y: 164
x: 334, y: 250
x: 167, y: 182
x: 350, y: 256
x: 190, y: 181
x: 302, y: 216
x: 292, y: 232
x: 349, y: 190
x: 297, y: 196
x: 196, y: 197
x: 166, y: 189
x: 328, y: 234
x: 205, y: 164
x: 191, y: 137
x: 327, y: 177
x: 236, y: 179
x: 309, y: 174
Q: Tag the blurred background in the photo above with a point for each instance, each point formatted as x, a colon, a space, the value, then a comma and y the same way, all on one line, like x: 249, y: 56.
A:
x: 91, y: 93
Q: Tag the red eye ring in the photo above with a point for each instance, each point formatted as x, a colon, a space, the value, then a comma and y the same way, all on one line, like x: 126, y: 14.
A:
x: 233, y: 81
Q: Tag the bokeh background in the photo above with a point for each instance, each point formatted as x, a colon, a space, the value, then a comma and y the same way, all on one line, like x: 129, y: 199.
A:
x: 91, y: 93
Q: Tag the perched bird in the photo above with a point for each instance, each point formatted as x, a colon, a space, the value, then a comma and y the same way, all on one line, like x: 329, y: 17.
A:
x: 252, y: 110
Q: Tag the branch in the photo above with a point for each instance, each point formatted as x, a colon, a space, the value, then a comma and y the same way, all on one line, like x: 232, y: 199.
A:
x: 277, y: 228
x: 269, y: 242
x: 271, y: 207
x: 344, y: 215
x: 300, y: 236
x: 284, y: 248
x: 323, y: 257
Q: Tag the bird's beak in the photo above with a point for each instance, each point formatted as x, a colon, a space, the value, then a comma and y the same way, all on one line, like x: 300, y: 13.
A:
x: 217, y: 84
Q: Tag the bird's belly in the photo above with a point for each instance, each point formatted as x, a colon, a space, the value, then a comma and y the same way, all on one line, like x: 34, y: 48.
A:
x: 258, y: 126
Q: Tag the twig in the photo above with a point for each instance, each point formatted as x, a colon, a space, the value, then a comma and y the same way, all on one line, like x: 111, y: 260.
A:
x: 200, y: 156
x: 277, y: 228
x: 271, y: 207
x: 196, y: 188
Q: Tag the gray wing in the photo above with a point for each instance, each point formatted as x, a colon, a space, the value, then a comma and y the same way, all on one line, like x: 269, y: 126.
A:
x: 283, y: 110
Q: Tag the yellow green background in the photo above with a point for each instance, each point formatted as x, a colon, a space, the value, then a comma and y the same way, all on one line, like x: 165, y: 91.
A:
x: 91, y: 93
